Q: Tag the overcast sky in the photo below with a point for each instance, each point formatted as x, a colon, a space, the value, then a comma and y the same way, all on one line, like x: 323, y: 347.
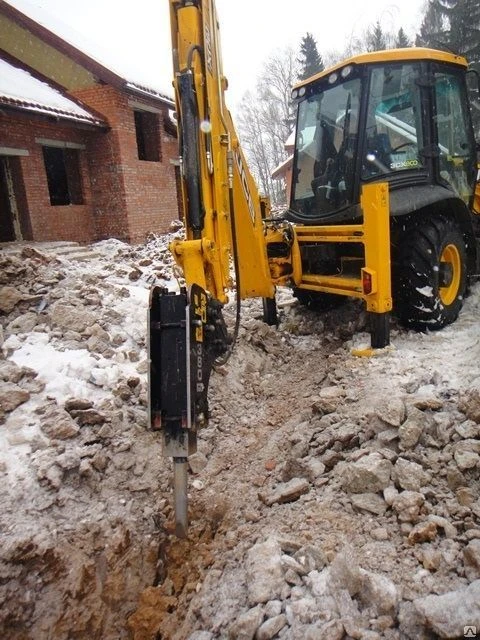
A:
x: 137, y: 31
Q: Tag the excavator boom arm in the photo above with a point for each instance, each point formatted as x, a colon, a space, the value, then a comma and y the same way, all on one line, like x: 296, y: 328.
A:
x: 221, y: 205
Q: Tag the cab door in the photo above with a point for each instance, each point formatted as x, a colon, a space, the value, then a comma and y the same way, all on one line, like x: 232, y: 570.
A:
x: 455, y: 139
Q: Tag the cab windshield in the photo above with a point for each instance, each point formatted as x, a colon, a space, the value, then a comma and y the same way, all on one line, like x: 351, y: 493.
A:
x: 327, y: 132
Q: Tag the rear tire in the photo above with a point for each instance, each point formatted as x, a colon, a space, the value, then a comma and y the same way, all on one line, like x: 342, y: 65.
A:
x: 429, y: 274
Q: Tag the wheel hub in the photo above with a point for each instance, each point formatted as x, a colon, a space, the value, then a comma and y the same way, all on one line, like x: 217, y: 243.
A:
x: 450, y: 272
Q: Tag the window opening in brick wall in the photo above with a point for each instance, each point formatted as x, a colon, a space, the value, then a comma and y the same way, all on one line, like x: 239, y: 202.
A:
x: 148, y: 138
x: 63, y: 176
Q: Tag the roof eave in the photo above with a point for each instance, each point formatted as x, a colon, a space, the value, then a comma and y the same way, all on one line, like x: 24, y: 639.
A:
x: 49, y: 113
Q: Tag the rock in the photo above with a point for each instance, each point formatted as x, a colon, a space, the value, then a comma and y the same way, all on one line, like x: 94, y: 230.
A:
x: 97, y: 345
x: 68, y: 460
x: 9, y: 298
x: 345, y: 572
x: 409, y: 475
x: 24, y: 323
x: 469, y: 401
x: 98, y: 331
x: 448, y: 528
x: 407, y: 505
x: 273, y: 608
x: 12, y: 396
x: 370, y: 502
x: 355, y: 624
x: 389, y: 495
x: 85, y: 468
x: 328, y: 400
x: 271, y: 627
x: 300, y: 608
x: 380, y: 533
x: 447, y: 615
x: 292, y: 578
x: 246, y: 625
x: 410, y: 431
x: 391, y: 410
x: 201, y: 635
x: 319, y: 581
x: 54, y: 476
x: 291, y: 564
x: 468, y: 429
x: 427, y: 400
x: 11, y: 372
x: 310, y: 558
x: 73, y: 404
x: 455, y: 478
x: 58, y: 425
x: 465, y: 496
x: 264, y: 572
x: 71, y: 318
x: 294, y: 468
x: 379, y: 592
x: 285, y: 492
x: 471, y: 559
x: 333, y: 630
x: 331, y: 458
x: 315, y: 468
x: 368, y: 475
x: 197, y: 462
x: 466, y: 453
x: 422, y: 532
x: 100, y: 461
x: 411, y: 623
x: 431, y: 558
x: 466, y: 459
x: 133, y: 382
x: 387, y: 437
x: 88, y: 416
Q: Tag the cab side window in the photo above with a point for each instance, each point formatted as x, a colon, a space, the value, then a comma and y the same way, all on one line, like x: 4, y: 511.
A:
x: 455, y: 152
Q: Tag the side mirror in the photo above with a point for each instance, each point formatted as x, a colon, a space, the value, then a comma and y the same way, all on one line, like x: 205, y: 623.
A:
x: 473, y: 80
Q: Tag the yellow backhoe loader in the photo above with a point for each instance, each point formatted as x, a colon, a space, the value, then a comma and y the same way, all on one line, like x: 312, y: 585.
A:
x: 382, y: 208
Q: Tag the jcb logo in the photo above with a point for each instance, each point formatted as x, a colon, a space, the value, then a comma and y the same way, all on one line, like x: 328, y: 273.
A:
x: 200, y: 309
x: 404, y: 164
x: 244, y: 181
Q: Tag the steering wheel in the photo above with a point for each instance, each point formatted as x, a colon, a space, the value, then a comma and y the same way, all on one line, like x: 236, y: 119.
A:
x: 404, y: 144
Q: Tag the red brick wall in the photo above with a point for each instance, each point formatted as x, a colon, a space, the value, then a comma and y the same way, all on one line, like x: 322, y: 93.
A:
x: 47, y: 222
x: 144, y: 198
x: 124, y: 197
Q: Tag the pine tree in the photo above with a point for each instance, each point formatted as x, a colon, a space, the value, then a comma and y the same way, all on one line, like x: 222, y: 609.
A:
x: 463, y: 35
x: 376, y: 40
x: 432, y: 29
x: 452, y: 25
x: 310, y: 61
x: 401, y: 40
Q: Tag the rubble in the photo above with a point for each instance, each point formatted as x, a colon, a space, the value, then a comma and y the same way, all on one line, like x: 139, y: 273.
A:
x: 330, y: 496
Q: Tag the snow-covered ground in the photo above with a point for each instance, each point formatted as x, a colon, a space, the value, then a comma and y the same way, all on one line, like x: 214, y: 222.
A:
x: 331, y: 497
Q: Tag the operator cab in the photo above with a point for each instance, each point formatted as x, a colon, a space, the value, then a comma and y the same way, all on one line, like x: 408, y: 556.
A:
x: 399, y: 116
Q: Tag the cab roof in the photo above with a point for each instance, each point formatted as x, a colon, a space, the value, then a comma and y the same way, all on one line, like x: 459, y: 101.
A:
x: 390, y: 55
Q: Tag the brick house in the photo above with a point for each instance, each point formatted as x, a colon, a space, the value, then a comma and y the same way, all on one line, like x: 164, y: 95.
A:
x: 284, y: 170
x: 85, y: 153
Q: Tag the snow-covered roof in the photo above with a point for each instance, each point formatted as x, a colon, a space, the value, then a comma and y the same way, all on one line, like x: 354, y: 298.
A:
x: 21, y: 90
x: 136, y: 76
